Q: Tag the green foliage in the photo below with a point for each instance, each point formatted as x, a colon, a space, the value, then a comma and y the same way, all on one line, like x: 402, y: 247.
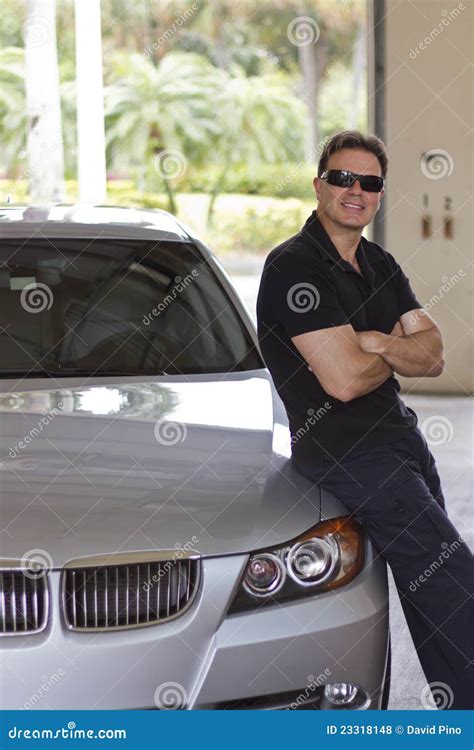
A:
x: 243, y: 223
x: 286, y: 180
x: 150, y: 108
x: 119, y: 193
x: 336, y: 100
x: 12, y: 104
x: 220, y: 87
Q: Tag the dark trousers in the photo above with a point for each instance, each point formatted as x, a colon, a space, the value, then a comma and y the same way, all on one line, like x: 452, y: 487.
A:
x: 395, y: 492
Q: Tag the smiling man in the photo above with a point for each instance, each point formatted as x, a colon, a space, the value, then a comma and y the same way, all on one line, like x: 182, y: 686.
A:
x: 337, y: 320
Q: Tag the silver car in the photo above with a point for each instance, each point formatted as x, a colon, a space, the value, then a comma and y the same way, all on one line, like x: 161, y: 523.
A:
x: 158, y: 548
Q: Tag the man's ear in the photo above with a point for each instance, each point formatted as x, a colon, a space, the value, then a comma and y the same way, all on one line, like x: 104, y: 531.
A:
x: 317, y: 186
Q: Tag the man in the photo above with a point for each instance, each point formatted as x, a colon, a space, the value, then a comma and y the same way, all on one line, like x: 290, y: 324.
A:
x: 337, y: 319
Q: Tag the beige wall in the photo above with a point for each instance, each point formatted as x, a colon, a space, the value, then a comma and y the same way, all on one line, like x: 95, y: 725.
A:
x: 429, y: 105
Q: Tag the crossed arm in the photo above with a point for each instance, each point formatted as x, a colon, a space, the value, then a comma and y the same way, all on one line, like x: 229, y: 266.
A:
x: 349, y: 364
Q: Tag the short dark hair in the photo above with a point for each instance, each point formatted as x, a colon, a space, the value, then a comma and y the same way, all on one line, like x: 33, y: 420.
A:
x: 356, y: 140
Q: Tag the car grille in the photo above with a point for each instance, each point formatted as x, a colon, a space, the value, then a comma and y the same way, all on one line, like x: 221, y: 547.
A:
x: 112, y: 597
x: 23, y: 602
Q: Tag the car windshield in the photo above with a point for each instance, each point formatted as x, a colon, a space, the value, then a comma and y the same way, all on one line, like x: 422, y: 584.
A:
x: 75, y: 306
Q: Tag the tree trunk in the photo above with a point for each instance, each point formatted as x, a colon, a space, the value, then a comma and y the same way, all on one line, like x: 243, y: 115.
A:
x: 309, y: 92
x: 359, y: 62
x: 312, y: 59
x: 45, y: 141
x: 90, y: 103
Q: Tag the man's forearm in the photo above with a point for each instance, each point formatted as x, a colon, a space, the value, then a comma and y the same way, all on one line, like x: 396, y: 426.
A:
x: 416, y: 355
x: 371, y: 371
x: 374, y: 374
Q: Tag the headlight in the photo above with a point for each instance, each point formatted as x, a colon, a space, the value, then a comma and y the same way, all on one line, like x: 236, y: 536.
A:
x: 327, y: 556
x: 265, y: 575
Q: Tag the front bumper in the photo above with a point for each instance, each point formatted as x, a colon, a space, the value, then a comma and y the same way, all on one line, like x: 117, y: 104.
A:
x: 205, y: 659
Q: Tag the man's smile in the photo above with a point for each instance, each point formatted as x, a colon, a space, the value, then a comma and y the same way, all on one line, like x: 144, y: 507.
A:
x: 352, y: 206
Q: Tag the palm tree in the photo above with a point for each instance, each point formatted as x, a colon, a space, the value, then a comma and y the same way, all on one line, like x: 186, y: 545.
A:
x: 262, y: 123
x: 13, y: 118
x: 155, y: 112
x: 90, y: 102
x: 12, y: 105
x: 45, y: 143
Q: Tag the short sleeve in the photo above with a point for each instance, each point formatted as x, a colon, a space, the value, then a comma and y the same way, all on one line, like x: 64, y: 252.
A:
x: 298, y: 293
x: 406, y: 297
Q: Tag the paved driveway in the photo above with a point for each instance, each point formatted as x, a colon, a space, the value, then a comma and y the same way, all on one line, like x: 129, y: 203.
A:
x: 447, y: 423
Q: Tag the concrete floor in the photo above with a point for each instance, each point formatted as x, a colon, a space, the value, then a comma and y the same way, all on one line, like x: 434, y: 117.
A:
x: 452, y: 449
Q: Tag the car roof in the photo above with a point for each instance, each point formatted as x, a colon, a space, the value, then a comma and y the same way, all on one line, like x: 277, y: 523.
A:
x: 81, y: 220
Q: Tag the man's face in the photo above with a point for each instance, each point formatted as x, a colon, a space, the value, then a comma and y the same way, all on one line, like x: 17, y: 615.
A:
x: 349, y: 207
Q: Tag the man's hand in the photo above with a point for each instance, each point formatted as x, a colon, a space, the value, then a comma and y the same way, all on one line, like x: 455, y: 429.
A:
x: 373, y: 341
x: 416, y: 351
x: 370, y: 341
x: 397, y: 329
x: 343, y: 369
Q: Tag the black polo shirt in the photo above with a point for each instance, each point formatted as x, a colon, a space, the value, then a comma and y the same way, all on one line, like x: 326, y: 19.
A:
x: 306, y: 285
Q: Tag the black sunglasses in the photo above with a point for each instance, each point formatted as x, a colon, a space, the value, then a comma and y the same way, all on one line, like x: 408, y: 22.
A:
x: 344, y: 179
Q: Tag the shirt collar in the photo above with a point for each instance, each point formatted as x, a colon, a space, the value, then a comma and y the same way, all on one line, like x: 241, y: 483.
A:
x: 314, y: 230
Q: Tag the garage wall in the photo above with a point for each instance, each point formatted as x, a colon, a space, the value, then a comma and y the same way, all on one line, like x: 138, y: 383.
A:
x: 428, y: 220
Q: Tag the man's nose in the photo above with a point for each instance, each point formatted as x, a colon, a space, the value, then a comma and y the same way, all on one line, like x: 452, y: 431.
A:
x: 355, y: 188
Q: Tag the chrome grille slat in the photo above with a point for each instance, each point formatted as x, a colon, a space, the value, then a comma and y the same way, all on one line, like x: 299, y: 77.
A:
x: 148, y: 579
x: 2, y: 605
x: 96, y: 611
x: 113, y: 597
x: 137, y: 594
x: 116, y: 597
x: 74, y: 599
x: 168, y: 591
x: 24, y: 601
x: 84, y: 596
x: 13, y: 603
x: 188, y: 574
x: 106, y: 596
x: 35, y: 603
x: 127, y: 596
x: 157, y: 609
x: 179, y: 582
x: 24, y: 608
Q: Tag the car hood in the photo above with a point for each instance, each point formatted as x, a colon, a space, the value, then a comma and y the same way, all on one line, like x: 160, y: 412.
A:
x: 125, y: 464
